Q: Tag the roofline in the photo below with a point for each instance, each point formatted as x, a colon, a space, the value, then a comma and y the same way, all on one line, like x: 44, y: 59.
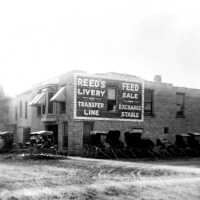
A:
x: 42, y: 84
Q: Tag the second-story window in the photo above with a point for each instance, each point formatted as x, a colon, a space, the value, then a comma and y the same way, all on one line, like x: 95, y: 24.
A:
x: 20, y: 109
x: 62, y: 107
x: 50, y: 103
x: 26, y: 110
x: 43, y: 109
x: 15, y: 112
x: 38, y: 111
x: 111, y: 99
x: 148, y: 102
x: 180, y: 105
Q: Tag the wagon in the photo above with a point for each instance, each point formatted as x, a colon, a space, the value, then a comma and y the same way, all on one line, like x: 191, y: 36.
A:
x: 42, y: 142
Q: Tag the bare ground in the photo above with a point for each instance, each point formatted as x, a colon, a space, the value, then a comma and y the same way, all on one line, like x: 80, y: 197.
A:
x: 87, y: 179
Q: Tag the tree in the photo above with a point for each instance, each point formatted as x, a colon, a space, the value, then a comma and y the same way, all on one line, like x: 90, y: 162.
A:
x: 4, y: 103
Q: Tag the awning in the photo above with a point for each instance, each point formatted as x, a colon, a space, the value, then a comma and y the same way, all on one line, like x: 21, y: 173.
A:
x: 6, y: 132
x: 60, y: 96
x: 194, y: 134
x: 38, y: 100
x: 42, y: 133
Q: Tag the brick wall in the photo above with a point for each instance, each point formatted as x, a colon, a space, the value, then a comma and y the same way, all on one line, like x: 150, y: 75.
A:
x: 164, y: 115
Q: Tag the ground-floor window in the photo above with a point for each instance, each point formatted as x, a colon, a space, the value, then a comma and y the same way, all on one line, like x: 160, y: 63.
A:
x: 65, y: 135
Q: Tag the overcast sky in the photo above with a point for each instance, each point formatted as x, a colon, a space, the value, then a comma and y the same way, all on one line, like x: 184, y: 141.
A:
x: 41, y: 39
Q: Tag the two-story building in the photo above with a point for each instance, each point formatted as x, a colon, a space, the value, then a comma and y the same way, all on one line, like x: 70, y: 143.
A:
x: 75, y: 103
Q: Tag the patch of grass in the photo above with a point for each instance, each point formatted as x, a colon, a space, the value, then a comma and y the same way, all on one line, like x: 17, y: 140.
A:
x: 112, y: 191
x: 90, y: 194
x: 79, y: 179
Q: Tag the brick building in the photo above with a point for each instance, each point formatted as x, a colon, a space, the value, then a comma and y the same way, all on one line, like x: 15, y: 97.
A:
x: 74, y: 104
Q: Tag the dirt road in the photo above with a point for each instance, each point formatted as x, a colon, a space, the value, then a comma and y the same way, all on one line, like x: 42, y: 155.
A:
x: 79, y: 178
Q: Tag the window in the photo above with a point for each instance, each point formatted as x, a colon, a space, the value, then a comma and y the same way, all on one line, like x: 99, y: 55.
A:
x: 166, y: 130
x: 88, y: 126
x: 50, y: 104
x: 111, y: 99
x: 62, y: 107
x: 65, y: 135
x: 180, y: 104
x: 20, y: 109
x: 15, y: 112
x: 43, y: 107
x: 148, y: 102
x: 26, y: 110
x: 38, y: 111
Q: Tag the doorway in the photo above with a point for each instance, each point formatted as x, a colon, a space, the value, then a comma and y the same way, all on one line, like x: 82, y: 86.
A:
x: 87, y: 128
x: 54, y: 128
x: 65, y: 135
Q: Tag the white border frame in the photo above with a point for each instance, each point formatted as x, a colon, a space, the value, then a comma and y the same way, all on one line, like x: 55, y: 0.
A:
x: 102, y: 118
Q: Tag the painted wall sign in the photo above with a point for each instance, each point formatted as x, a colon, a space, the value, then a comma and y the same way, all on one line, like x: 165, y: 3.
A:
x: 98, y: 98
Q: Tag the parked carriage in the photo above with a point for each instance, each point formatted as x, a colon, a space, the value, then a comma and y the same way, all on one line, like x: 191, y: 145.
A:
x: 108, y: 145
x: 42, y: 142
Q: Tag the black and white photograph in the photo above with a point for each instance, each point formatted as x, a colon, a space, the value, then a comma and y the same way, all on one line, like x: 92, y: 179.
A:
x: 99, y: 100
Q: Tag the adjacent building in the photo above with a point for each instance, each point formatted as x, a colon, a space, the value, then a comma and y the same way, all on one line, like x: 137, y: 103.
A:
x: 75, y: 103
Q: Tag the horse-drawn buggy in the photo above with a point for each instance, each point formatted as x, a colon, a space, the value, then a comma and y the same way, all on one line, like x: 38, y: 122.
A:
x: 42, y: 142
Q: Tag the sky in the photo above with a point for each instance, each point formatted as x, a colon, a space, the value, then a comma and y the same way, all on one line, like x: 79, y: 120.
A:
x: 42, y: 39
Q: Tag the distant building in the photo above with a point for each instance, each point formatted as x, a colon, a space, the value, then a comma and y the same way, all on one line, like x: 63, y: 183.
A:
x: 4, y: 105
x: 75, y: 103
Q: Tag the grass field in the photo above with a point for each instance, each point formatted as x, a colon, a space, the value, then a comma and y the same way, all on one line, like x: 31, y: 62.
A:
x: 79, y: 178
